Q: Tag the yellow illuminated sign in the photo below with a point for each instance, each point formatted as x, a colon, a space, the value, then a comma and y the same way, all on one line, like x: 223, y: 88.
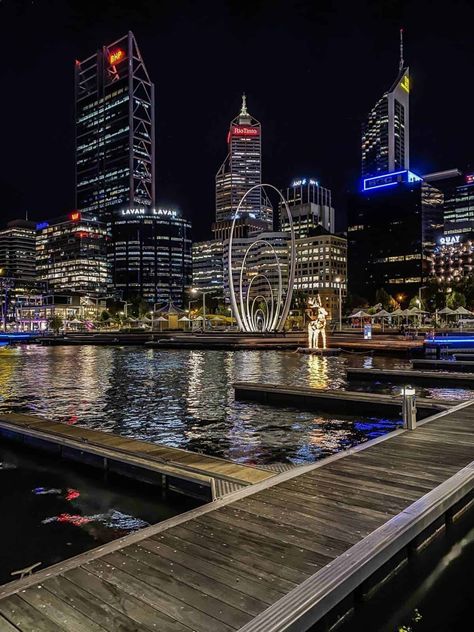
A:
x: 405, y: 83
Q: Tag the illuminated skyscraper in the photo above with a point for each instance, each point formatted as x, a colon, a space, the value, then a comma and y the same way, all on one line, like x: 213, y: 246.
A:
x: 115, y: 132
x: 385, y: 138
x: 241, y: 170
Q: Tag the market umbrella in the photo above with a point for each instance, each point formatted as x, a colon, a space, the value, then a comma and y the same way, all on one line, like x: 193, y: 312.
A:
x: 381, y: 314
x: 447, y: 311
x: 397, y: 312
x: 463, y: 311
x: 160, y: 320
x: 360, y: 314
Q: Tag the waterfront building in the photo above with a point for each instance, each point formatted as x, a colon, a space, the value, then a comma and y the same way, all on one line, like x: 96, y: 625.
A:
x: 321, y: 267
x: 151, y: 254
x: 115, y: 139
x: 71, y: 255
x: 386, y: 134
x: 33, y: 312
x: 310, y: 205
x: 18, y: 251
x: 263, y: 248
x: 241, y: 170
x: 452, y: 258
x: 393, y: 227
x: 208, y: 272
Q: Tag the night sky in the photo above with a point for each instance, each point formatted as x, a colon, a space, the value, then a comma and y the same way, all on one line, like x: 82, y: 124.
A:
x: 311, y: 71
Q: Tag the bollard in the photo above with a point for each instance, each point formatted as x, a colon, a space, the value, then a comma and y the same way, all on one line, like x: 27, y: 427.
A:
x: 409, y: 407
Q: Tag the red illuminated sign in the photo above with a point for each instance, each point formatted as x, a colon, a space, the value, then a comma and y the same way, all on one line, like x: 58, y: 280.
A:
x: 470, y: 178
x: 244, y: 130
x: 75, y: 216
x: 116, y: 56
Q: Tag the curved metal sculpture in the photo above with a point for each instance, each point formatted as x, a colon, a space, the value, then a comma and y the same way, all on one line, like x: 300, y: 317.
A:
x: 250, y: 314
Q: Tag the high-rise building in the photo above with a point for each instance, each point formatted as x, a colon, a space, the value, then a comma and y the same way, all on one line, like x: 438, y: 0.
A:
x: 17, y: 250
x: 115, y: 133
x: 208, y: 267
x: 241, y: 170
x: 153, y: 254
x: 310, y: 205
x: 321, y: 267
x: 386, y: 135
x: 71, y: 255
x: 393, y: 227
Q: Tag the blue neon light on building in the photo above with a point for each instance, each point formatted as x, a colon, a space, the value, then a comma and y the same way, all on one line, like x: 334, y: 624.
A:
x: 389, y: 179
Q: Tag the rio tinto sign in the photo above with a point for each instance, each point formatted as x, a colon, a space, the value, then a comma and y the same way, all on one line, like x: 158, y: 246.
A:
x: 244, y: 130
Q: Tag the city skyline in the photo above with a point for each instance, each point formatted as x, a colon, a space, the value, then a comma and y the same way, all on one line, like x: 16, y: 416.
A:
x: 331, y: 136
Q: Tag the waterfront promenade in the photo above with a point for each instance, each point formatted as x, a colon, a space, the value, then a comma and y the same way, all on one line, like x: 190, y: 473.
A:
x: 275, y: 556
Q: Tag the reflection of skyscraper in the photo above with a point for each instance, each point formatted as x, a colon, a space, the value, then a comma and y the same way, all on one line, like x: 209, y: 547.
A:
x: 385, y: 139
x: 241, y: 170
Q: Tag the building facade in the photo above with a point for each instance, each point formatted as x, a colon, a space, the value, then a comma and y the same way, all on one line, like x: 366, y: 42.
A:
x: 115, y: 135
x: 151, y: 254
x: 393, y: 227
x: 241, y: 170
x: 321, y: 267
x: 208, y: 267
x: 453, y: 256
x: 310, y: 205
x: 386, y: 134
x: 71, y: 255
x: 18, y: 250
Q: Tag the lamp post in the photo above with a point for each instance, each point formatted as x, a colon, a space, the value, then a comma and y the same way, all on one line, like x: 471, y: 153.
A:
x: 339, y: 280
x: 197, y: 291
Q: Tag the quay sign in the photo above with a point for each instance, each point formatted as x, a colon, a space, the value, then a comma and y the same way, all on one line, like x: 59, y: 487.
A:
x: 450, y: 240
x: 144, y: 211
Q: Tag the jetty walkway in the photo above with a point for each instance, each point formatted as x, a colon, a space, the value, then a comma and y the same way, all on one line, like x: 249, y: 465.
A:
x: 274, y: 556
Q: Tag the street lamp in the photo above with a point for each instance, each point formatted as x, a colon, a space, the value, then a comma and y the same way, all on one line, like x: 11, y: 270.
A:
x: 339, y: 280
x: 195, y: 290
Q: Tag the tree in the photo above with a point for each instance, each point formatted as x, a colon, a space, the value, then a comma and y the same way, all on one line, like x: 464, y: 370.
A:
x: 353, y: 301
x: 388, y: 302
x: 55, y: 323
x: 105, y: 316
x: 456, y: 299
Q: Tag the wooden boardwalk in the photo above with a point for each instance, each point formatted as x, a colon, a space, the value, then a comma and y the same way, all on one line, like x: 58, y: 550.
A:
x: 332, y: 400
x: 271, y: 557
x: 411, y: 376
x: 83, y: 444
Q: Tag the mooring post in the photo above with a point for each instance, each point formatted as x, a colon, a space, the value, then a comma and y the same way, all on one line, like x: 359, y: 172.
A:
x: 409, y: 407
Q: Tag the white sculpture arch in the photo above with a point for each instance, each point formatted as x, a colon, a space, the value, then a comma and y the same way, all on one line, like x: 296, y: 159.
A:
x: 245, y: 310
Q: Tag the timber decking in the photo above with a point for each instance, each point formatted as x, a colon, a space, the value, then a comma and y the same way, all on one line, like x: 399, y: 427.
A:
x: 408, y: 376
x: 335, y: 400
x: 255, y: 560
x: 172, y: 461
x: 445, y: 365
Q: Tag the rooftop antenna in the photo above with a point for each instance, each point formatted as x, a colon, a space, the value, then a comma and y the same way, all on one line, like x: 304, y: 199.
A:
x: 402, y: 62
x: 26, y: 214
x: 243, y: 111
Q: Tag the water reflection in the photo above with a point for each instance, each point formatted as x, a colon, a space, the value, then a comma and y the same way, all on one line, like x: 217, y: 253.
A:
x: 185, y: 398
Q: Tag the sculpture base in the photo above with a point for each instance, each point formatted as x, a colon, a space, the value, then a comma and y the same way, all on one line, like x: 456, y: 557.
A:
x: 321, y: 352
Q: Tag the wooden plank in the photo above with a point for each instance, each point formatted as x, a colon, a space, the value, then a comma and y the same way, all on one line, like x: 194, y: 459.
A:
x: 193, y: 577
x: 25, y: 617
x: 6, y: 626
x: 59, y: 611
x: 246, y: 585
x: 156, y: 598
x: 272, y: 586
x: 90, y: 606
x: 139, y: 611
x: 172, y: 587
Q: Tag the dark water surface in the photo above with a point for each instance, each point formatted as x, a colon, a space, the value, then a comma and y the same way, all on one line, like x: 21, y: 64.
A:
x: 51, y: 511
x: 432, y: 593
x: 184, y: 398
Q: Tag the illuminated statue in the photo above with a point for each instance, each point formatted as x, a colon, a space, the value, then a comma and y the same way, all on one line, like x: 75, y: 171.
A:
x: 317, y: 325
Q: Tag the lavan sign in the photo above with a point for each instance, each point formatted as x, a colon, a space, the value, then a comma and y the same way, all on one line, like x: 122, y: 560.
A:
x: 450, y: 240
x: 143, y: 211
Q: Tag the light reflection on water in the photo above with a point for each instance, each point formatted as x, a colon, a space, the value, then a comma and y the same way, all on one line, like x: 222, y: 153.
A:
x: 184, y: 398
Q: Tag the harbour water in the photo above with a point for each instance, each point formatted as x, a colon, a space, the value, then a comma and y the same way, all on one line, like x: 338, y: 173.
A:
x: 184, y: 398
x: 51, y: 510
